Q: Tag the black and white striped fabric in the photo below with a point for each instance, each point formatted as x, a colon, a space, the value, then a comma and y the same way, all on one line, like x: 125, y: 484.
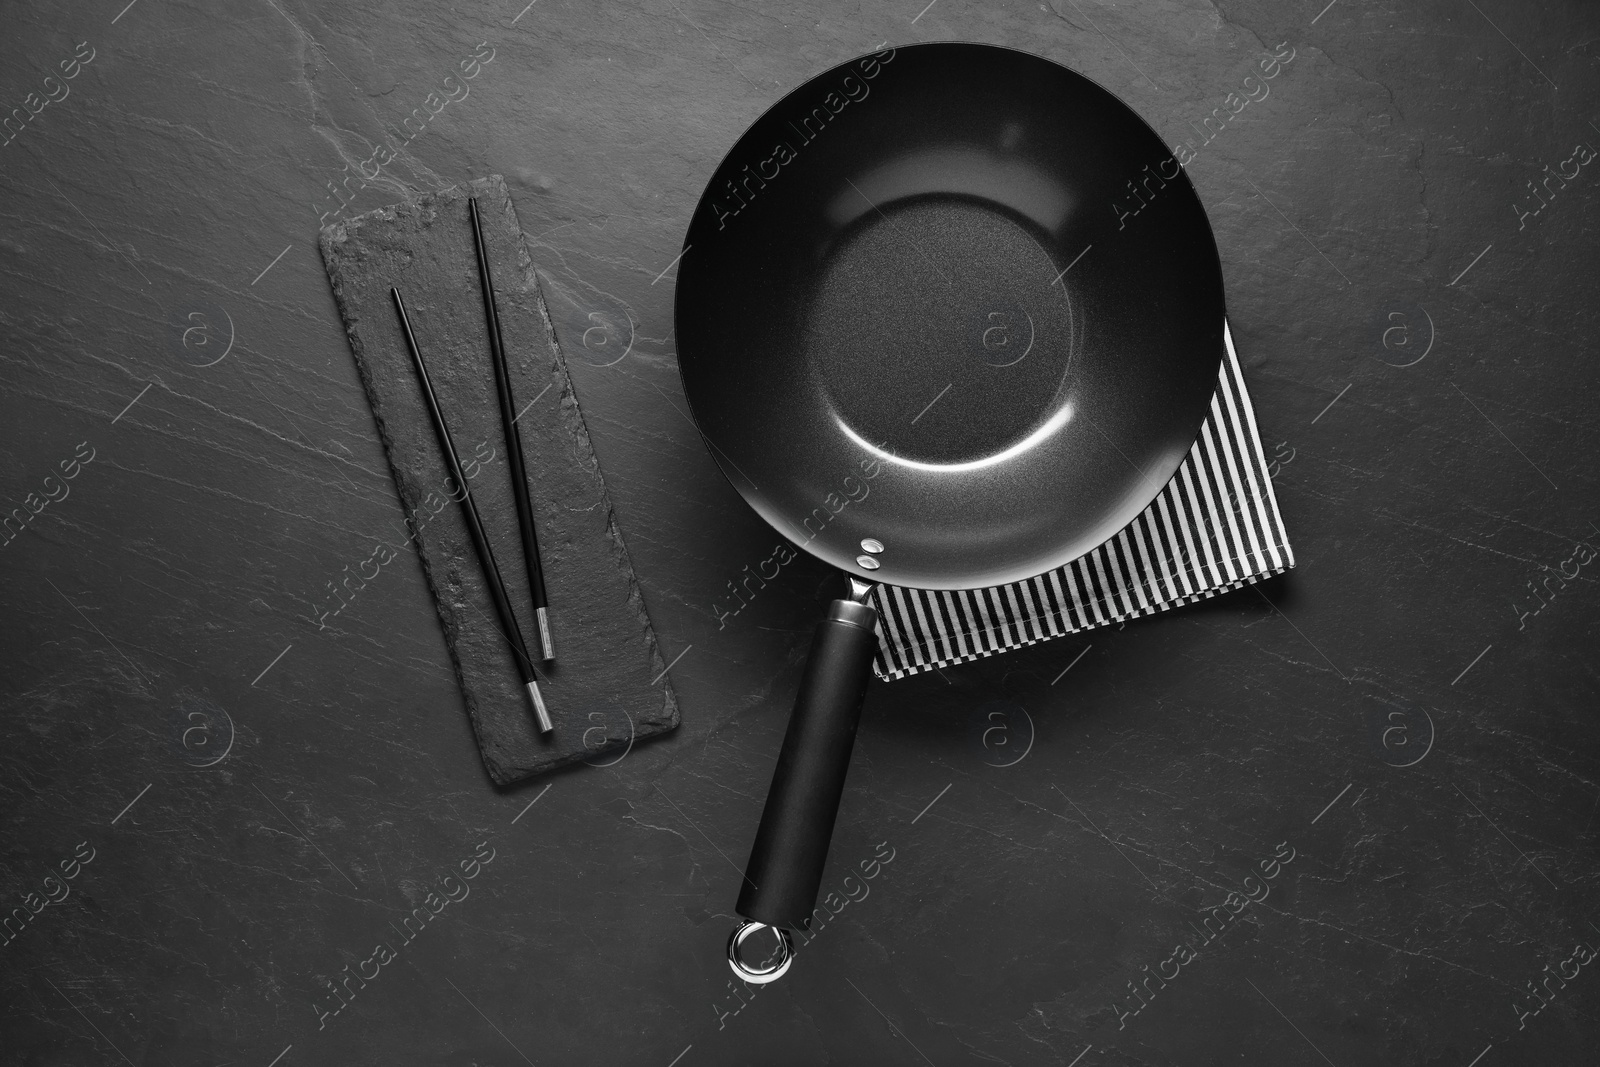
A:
x: 1214, y: 528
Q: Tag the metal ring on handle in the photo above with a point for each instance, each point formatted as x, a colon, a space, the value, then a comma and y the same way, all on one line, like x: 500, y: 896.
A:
x: 768, y: 970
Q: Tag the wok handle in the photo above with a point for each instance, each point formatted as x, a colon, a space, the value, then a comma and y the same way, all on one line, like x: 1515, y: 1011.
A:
x: 791, y: 846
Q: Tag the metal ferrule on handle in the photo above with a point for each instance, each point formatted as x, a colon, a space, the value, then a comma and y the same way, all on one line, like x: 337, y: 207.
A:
x: 791, y: 846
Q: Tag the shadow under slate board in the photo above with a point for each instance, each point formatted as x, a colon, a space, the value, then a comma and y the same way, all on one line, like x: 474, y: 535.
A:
x: 608, y: 670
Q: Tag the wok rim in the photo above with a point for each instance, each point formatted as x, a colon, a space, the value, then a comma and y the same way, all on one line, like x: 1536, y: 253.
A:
x: 1213, y: 261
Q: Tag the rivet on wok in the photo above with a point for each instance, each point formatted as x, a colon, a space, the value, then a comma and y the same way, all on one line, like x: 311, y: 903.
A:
x: 867, y: 562
x: 871, y: 544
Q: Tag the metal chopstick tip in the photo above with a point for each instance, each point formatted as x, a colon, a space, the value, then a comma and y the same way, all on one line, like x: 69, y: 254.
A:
x: 546, y: 645
x: 540, y: 712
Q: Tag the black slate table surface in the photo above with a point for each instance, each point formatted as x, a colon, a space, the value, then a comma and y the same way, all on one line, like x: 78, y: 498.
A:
x: 229, y: 837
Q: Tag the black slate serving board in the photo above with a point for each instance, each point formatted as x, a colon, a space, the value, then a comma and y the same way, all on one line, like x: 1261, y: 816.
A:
x: 607, y: 687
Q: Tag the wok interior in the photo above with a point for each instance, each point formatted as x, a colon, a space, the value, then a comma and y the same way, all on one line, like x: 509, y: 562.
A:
x: 954, y: 299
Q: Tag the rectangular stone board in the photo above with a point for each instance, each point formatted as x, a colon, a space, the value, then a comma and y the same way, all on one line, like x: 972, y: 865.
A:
x: 606, y: 688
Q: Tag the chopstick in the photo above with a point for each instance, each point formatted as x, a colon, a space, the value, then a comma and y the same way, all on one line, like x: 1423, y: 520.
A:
x: 519, y: 477
x: 480, y: 540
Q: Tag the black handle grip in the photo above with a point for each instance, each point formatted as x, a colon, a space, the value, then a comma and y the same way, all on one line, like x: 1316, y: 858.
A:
x: 791, y: 847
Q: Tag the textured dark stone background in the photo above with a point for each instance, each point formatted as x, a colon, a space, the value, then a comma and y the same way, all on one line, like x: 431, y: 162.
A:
x: 607, y: 688
x: 158, y: 616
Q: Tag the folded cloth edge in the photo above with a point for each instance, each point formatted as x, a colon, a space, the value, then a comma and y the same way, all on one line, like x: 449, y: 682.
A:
x: 1127, y: 576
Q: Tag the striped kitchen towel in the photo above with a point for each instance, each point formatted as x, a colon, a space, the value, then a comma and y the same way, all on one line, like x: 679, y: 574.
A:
x: 1214, y: 528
